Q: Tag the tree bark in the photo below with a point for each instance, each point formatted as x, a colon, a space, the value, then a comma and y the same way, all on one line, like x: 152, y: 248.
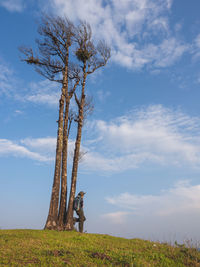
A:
x: 52, y: 219
x: 51, y: 222
x: 69, y: 220
x: 62, y: 208
x: 63, y: 197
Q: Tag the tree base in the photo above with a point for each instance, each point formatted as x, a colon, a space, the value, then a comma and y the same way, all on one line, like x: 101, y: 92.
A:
x: 69, y: 226
x: 51, y: 225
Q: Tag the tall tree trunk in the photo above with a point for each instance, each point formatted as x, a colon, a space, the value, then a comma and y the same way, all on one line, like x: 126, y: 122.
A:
x: 69, y: 219
x: 62, y: 208
x: 51, y: 222
x: 63, y: 197
x: 52, y: 219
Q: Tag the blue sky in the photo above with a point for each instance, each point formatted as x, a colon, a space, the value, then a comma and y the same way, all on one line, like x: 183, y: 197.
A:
x: 142, y: 166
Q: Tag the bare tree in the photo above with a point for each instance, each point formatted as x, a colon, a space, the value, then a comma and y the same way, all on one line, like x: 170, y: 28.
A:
x: 52, y: 62
x: 91, y: 58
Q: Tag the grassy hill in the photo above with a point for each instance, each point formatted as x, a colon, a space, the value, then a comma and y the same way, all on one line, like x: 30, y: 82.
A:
x: 52, y: 248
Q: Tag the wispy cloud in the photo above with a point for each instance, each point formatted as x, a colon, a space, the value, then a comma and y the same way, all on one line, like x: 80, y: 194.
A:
x: 137, y: 31
x: 13, y: 5
x: 47, y: 144
x: 39, y: 149
x: 42, y: 92
x: 185, y: 195
x: 155, y: 135
x: 11, y: 148
x: 7, y: 80
x: 118, y: 217
x: 18, y: 112
x: 96, y: 161
x: 196, y: 48
x: 171, y: 215
x: 102, y: 96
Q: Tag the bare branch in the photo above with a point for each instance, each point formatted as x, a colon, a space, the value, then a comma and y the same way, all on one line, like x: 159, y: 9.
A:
x: 72, y: 91
x: 88, y: 107
x: 71, y: 117
x: 77, y: 101
x: 95, y: 56
x: 81, y: 155
x: 101, y: 57
x: 86, y: 48
x: 56, y: 37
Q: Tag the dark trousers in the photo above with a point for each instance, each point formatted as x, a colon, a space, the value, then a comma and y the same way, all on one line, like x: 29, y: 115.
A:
x: 81, y: 219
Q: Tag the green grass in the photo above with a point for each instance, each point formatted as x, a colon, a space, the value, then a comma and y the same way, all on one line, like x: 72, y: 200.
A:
x: 52, y: 248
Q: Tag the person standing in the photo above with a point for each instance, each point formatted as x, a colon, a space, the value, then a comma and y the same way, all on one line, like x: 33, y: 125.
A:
x: 78, y: 207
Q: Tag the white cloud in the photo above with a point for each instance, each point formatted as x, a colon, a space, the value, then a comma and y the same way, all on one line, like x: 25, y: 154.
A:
x: 6, y: 79
x: 13, y: 5
x: 137, y: 31
x: 182, y: 198
x: 103, y: 95
x: 166, y: 53
x: 51, y: 99
x: 198, y: 78
x: 43, y: 92
x: 196, y: 47
x: 94, y: 161
x: 39, y: 149
x: 11, y: 148
x: 47, y: 144
x: 155, y: 135
x: 118, y: 217
x: 171, y: 215
x: 156, y: 56
x: 197, y: 41
x: 18, y: 112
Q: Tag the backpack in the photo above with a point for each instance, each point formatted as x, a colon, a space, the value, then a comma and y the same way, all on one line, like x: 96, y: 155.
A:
x: 76, y: 203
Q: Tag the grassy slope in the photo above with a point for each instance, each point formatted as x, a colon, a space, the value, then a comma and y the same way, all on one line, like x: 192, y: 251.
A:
x: 51, y: 248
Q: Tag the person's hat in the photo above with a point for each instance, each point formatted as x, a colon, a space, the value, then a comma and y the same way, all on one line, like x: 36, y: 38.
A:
x: 81, y: 193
